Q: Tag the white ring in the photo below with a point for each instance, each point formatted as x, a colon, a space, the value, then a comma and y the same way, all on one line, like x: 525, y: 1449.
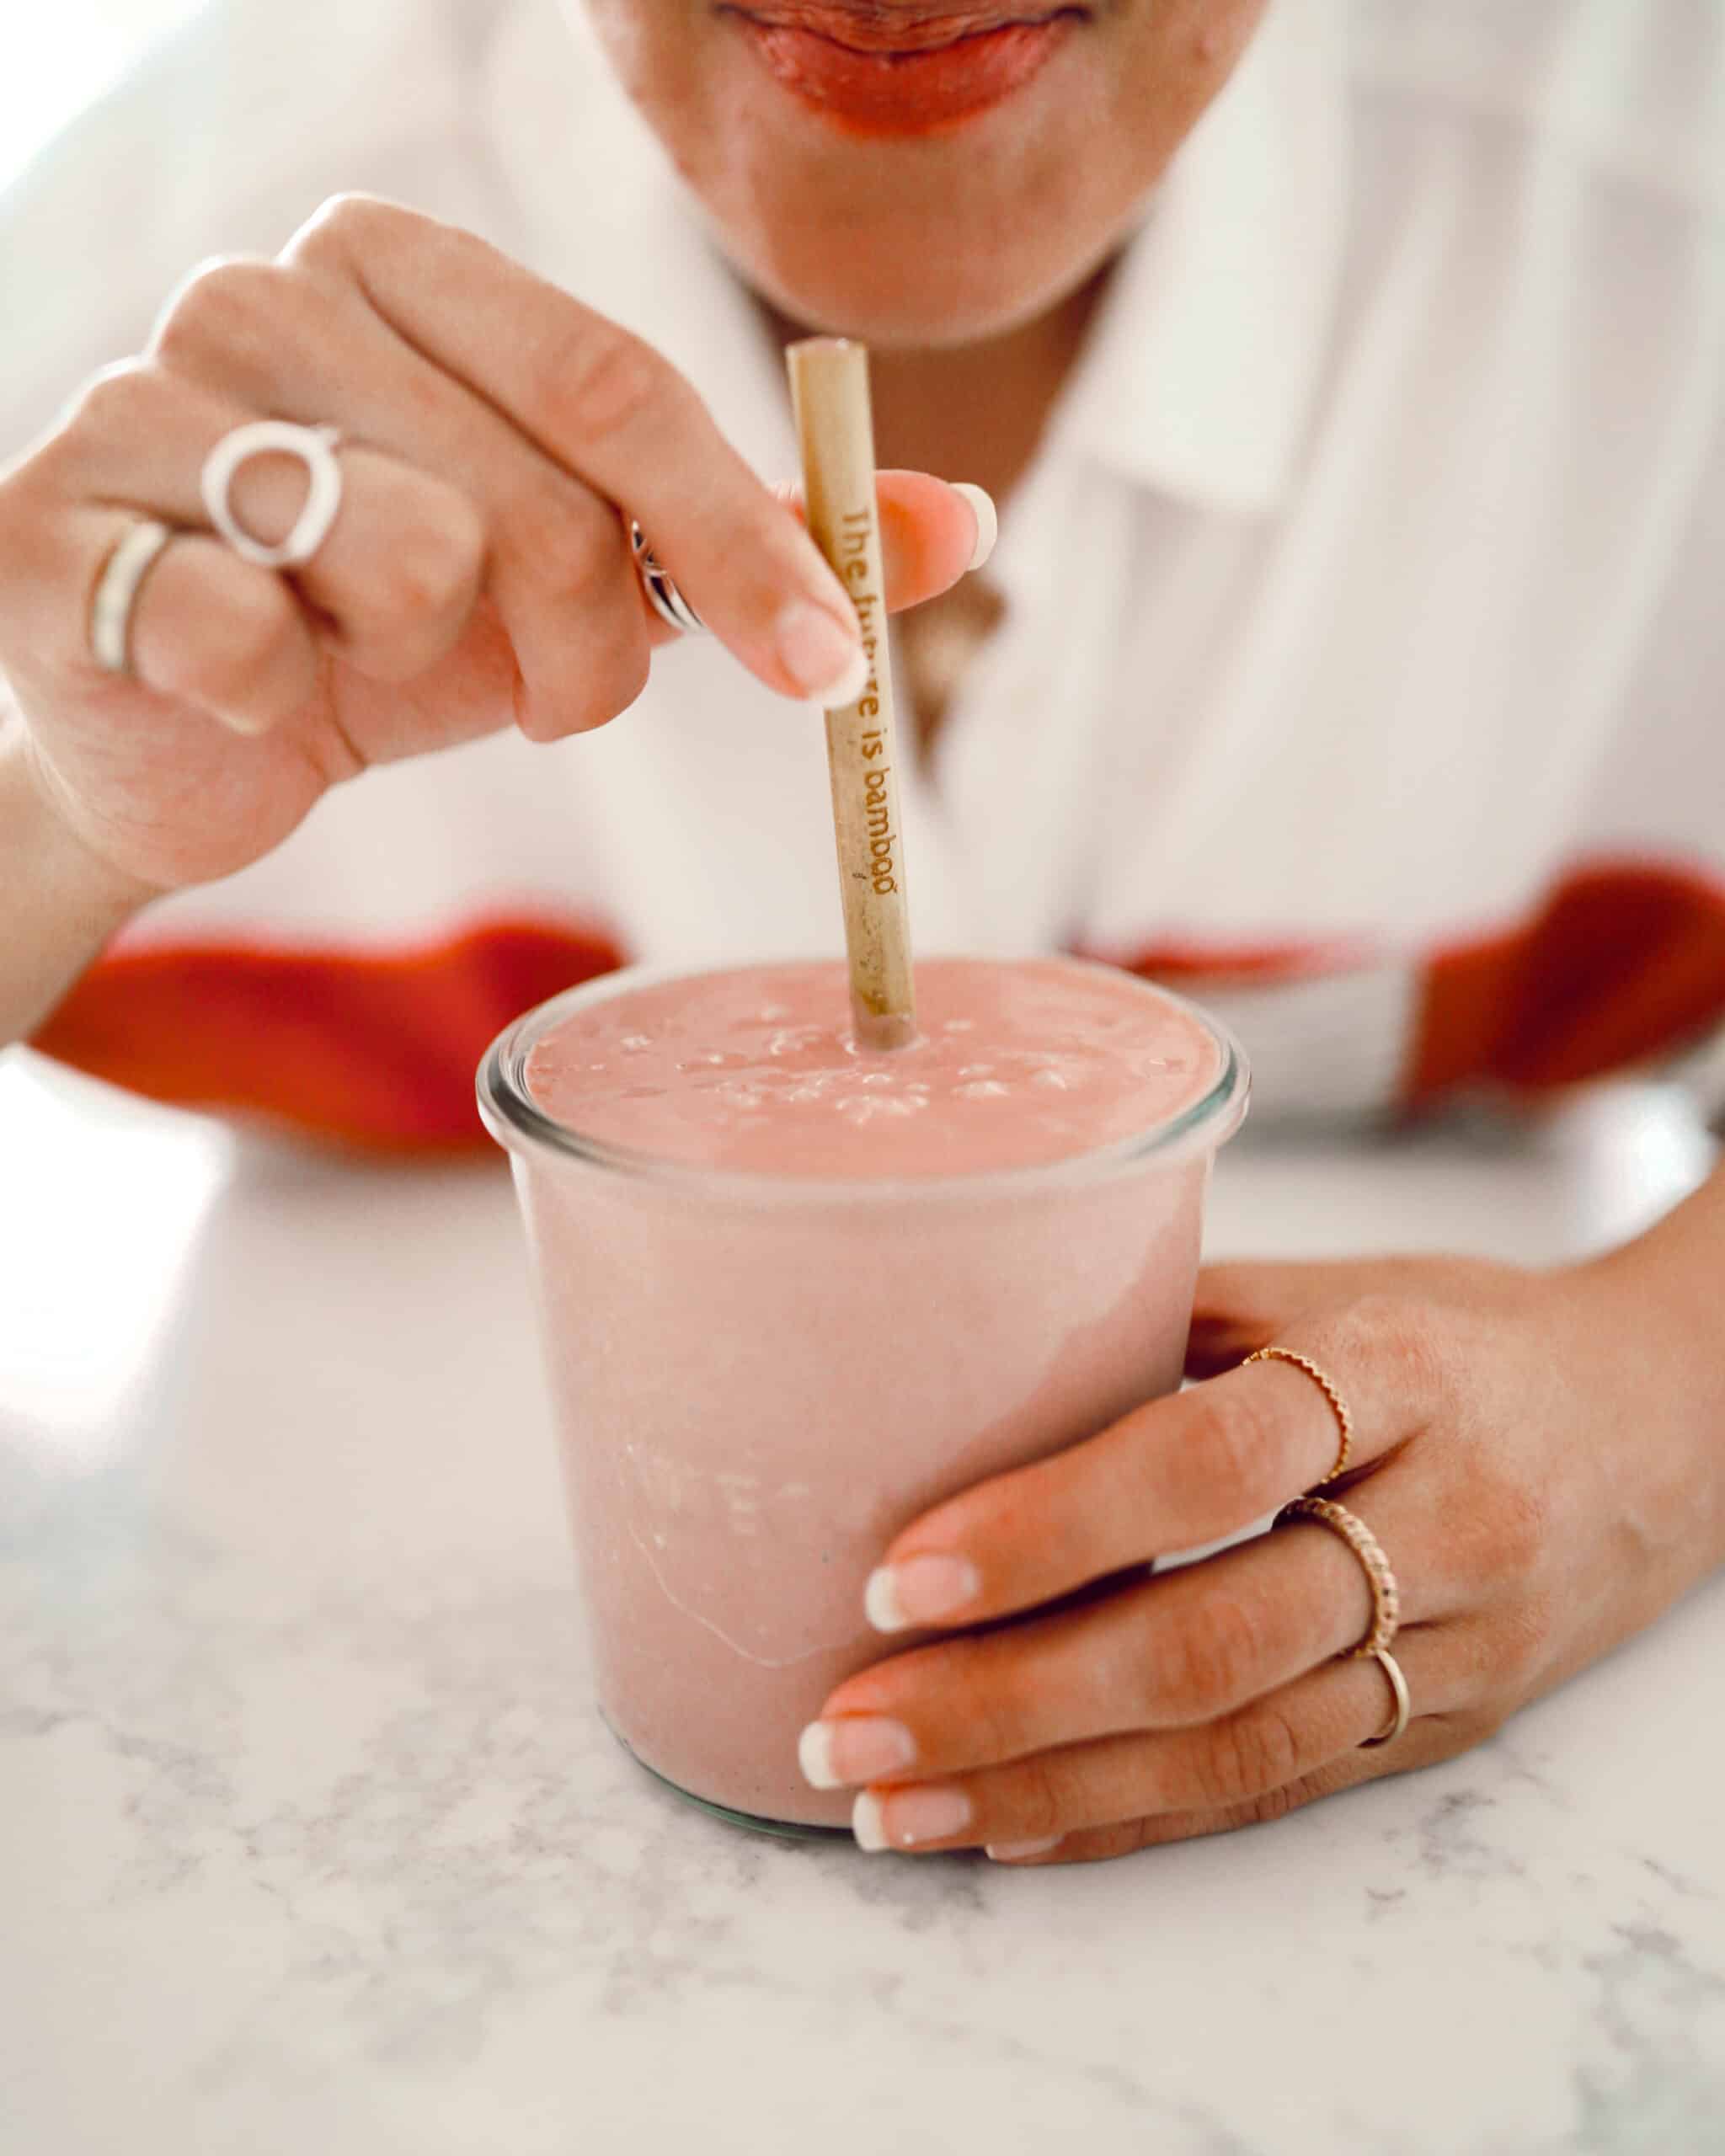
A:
x: 116, y: 593
x: 315, y: 448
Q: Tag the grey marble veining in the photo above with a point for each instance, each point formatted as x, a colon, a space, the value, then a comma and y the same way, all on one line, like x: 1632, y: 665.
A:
x: 310, y: 1839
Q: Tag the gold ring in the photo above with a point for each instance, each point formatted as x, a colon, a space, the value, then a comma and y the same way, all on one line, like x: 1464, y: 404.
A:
x: 1386, y: 1595
x: 1398, y: 1685
x: 1327, y: 1385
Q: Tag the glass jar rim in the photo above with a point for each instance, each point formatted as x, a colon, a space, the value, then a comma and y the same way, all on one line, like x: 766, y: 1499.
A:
x: 518, y: 1124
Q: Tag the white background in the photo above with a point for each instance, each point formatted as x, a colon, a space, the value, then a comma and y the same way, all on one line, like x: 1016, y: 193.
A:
x: 60, y: 55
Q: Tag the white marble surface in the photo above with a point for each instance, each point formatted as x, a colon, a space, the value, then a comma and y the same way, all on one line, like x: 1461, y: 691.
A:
x: 309, y: 1840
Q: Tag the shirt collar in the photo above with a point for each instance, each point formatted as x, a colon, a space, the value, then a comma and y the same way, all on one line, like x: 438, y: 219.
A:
x: 1204, y: 362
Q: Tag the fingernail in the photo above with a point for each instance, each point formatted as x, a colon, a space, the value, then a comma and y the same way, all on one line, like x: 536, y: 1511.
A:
x: 988, y: 522
x: 909, y: 1817
x: 854, y: 1748
x: 821, y: 656
x: 1010, y: 1852
x: 919, y: 1591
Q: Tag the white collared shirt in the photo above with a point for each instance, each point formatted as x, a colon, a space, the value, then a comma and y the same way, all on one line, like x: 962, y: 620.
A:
x: 1363, y: 661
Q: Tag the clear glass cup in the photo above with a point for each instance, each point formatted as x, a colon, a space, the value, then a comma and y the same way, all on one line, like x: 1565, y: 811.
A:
x: 759, y: 1380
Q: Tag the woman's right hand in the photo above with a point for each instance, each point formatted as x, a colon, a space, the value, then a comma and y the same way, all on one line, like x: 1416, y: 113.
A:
x: 479, y: 569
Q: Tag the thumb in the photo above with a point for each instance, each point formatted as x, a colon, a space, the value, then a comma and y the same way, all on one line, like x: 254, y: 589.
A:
x: 931, y: 533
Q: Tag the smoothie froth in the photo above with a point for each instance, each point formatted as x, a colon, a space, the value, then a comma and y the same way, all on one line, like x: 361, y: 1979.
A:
x: 1017, y: 1066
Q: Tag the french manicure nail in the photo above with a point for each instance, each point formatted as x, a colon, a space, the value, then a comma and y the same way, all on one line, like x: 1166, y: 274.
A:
x: 867, y: 1825
x: 854, y: 1748
x: 1010, y: 1852
x: 908, y: 1818
x: 988, y: 522
x: 919, y: 1591
x: 821, y: 656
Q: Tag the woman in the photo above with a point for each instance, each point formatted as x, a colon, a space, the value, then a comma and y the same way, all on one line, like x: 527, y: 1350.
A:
x: 1352, y: 377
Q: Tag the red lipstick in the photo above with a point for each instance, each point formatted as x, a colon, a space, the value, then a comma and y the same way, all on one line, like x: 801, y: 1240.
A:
x: 887, y: 71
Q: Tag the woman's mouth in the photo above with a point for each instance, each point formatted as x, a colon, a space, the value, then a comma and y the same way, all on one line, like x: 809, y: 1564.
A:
x: 887, y: 71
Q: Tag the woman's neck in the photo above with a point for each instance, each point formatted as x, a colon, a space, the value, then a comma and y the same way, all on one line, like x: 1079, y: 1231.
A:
x: 974, y: 412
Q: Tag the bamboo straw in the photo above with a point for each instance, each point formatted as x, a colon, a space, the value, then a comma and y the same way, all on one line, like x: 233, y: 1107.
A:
x: 835, y: 427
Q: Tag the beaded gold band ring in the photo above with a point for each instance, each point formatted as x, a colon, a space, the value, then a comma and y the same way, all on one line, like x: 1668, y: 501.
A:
x: 1327, y: 1385
x: 1386, y: 1595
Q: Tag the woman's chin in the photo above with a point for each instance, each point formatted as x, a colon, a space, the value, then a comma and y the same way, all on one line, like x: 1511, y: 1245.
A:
x: 903, y: 301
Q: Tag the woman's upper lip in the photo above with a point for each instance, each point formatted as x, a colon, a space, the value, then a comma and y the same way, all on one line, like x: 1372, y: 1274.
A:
x: 864, y: 27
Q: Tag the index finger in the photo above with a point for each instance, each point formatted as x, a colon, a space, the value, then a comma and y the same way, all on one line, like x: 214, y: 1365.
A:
x: 932, y: 532
x: 1193, y: 1468
x: 603, y: 404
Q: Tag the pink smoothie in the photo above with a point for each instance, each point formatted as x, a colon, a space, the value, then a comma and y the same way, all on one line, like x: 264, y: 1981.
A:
x: 1016, y: 1065
x: 793, y: 1293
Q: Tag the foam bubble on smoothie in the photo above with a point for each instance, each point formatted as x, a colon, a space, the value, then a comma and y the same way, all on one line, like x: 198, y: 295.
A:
x: 1018, y: 1062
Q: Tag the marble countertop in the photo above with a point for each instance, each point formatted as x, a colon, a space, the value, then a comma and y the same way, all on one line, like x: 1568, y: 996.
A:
x: 310, y: 1840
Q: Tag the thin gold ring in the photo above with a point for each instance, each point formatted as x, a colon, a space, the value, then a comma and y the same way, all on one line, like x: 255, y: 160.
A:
x: 1398, y: 1684
x: 1326, y: 1384
x: 1386, y: 1595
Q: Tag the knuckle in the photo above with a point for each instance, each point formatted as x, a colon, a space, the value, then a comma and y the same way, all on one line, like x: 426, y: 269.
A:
x: 999, y: 1692
x: 1517, y: 1528
x: 114, y: 402
x: 432, y: 565
x: 605, y: 380
x: 1234, y: 1445
x: 596, y: 662
x: 564, y: 544
x: 1273, y: 1804
x: 1041, y: 1799
x: 1401, y: 1337
x: 1247, y: 1756
x: 585, y: 560
x: 1507, y: 1538
x: 227, y: 304
x: 344, y: 228
x: 1522, y: 1646
x: 633, y: 664
x: 1212, y: 1659
x: 100, y: 425
x: 615, y: 678
x: 541, y: 720
x: 242, y: 639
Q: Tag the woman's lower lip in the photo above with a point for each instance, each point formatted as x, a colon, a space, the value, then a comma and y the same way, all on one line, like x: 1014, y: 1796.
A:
x: 906, y: 93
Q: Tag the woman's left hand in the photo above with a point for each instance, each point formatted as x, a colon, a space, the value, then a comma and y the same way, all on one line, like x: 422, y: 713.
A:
x: 1539, y: 1455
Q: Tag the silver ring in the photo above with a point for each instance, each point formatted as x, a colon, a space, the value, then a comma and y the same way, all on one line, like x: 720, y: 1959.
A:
x: 660, y: 587
x: 315, y: 448
x: 116, y: 593
x: 1398, y: 1684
